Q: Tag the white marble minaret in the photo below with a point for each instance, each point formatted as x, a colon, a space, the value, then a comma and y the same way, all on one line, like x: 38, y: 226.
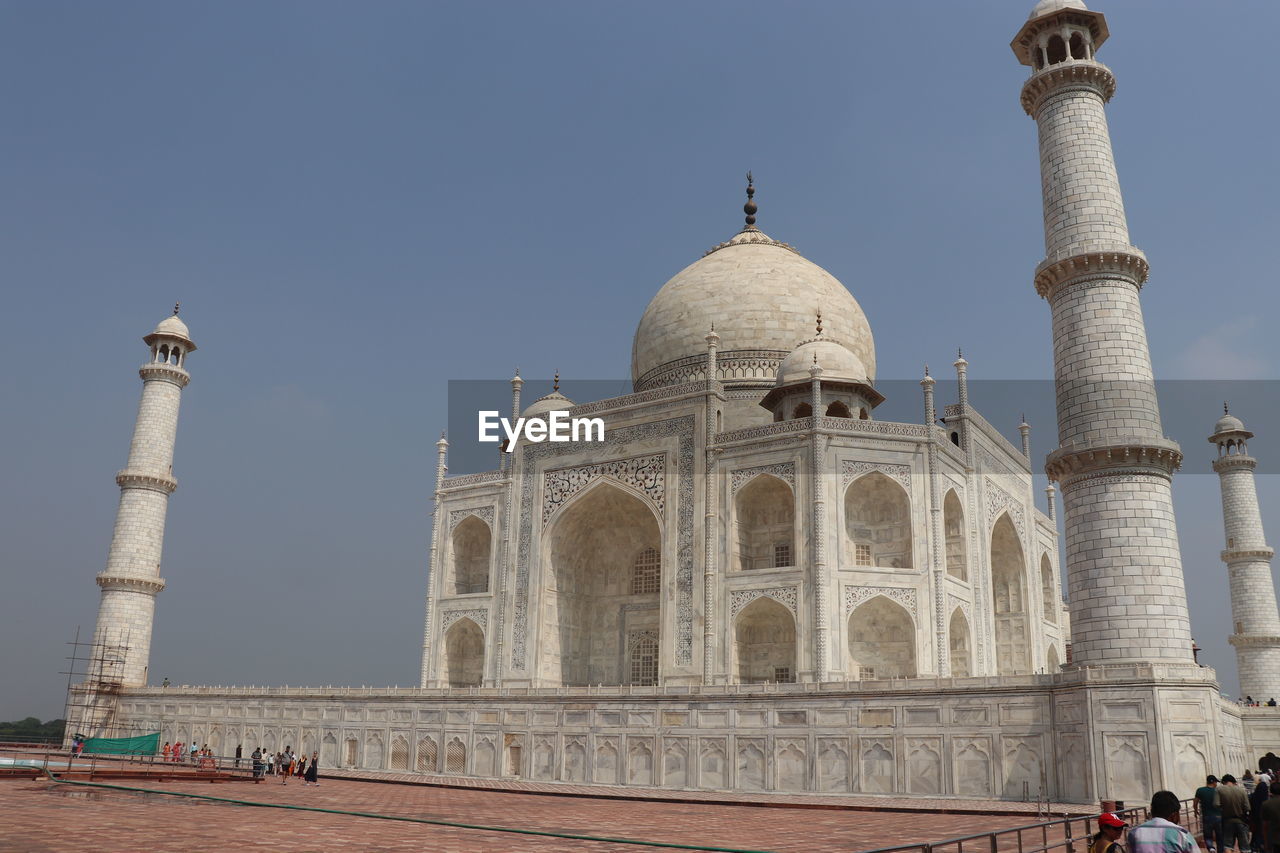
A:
x: 122, y: 639
x: 1113, y: 464
x: 1254, y: 619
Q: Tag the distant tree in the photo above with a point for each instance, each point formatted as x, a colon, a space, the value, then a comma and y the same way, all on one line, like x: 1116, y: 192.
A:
x: 32, y: 729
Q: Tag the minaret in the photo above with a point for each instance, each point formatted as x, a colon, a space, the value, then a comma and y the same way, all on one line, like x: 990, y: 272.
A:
x: 1255, y: 621
x: 1113, y: 464
x: 122, y: 639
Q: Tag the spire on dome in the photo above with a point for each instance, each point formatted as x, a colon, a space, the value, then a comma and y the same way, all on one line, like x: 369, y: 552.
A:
x: 176, y: 306
x: 819, y: 324
x: 555, y: 385
x: 750, y: 207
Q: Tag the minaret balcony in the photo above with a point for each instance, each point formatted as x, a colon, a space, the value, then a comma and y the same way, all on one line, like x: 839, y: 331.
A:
x: 141, y: 480
x: 1241, y: 555
x: 129, y: 583
x: 1078, y: 75
x: 165, y: 372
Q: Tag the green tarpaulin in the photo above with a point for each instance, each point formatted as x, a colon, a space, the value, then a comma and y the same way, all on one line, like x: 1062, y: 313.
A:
x: 140, y: 745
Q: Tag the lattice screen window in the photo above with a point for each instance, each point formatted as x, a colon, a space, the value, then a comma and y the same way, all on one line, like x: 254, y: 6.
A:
x: 426, y: 756
x: 399, y: 754
x: 861, y: 554
x: 646, y: 575
x: 782, y: 555
x: 867, y: 672
x: 644, y: 659
x: 782, y: 675
x: 455, y: 757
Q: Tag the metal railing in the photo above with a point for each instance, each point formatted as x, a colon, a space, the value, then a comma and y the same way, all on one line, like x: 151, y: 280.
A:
x: 1067, y: 834
x: 62, y: 761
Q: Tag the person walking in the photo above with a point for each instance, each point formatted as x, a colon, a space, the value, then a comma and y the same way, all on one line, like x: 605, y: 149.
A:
x: 259, y: 766
x: 1209, y: 810
x: 1162, y: 834
x: 1234, y: 803
x: 165, y: 752
x: 1261, y: 793
x: 285, y: 766
x: 1107, y: 838
x: 313, y: 774
x: 239, y: 753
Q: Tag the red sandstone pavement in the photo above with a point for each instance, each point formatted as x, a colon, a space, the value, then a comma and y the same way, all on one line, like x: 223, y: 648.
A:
x: 43, y: 816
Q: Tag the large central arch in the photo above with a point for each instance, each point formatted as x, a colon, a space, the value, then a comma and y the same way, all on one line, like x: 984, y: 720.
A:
x: 594, y: 609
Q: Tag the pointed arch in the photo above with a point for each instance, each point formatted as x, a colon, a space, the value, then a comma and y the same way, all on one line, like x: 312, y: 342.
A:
x: 464, y: 654
x: 804, y: 410
x: 882, y: 640
x: 471, y: 550
x: 838, y: 409
x: 953, y: 526
x: 591, y: 557
x: 1009, y: 598
x: 877, y: 521
x: 1052, y: 662
x: 960, y: 644
x: 764, y: 521
x: 764, y: 643
x: 1048, y: 599
x: 1057, y: 50
x: 329, y: 750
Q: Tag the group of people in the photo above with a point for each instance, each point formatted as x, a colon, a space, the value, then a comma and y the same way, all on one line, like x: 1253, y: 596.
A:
x: 286, y: 764
x: 1244, y: 814
x: 176, y: 752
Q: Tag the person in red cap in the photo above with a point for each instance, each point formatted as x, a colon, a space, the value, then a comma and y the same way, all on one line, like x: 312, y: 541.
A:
x: 1107, y: 838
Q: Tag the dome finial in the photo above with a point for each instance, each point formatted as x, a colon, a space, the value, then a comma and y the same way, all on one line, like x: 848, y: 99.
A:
x: 750, y: 207
x: 819, y: 324
x: 555, y: 385
x: 926, y: 370
x: 1225, y: 410
x: 176, y: 306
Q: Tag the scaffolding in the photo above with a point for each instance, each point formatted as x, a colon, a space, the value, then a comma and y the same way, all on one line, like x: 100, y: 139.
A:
x: 93, y: 688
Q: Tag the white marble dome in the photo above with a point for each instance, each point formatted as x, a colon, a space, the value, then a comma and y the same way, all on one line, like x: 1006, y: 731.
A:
x: 837, y: 362
x: 553, y: 402
x: 172, y: 327
x: 1048, y: 7
x: 1228, y: 423
x: 762, y: 297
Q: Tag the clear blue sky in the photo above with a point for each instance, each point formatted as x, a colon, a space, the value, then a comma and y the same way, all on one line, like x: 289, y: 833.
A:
x: 357, y: 203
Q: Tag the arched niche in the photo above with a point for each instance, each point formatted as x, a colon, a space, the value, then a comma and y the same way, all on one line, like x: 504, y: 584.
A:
x: 953, y: 527
x: 877, y: 521
x: 592, y: 549
x: 1047, y: 598
x: 961, y: 647
x: 764, y: 523
x: 882, y: 640
x: 472, y: 543
x: 464, y: 654
x: 764, y: 643
x: 1009, y: 599
x: 838, y: 409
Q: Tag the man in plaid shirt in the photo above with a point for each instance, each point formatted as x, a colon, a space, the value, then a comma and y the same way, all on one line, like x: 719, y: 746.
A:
x: 1162, y: 834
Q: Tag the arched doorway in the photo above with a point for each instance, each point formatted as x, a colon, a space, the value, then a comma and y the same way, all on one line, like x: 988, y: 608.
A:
x: 1009, y: 598
x: 877, y: 520
x: 882, y: 640
x: 471, y: 544
x: 1048, y: 599
x: 953, y: 524
x: 464, y: 654
x: 603, y: 552
x: 764, y: 521
x: 765, y: 643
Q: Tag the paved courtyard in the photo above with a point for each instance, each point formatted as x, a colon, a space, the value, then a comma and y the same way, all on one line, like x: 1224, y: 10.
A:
x: 42, y: 816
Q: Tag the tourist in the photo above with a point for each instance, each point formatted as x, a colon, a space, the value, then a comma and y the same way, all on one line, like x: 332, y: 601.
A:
x: 1261, y: 793
x: 1209, y: 810
x: 1162, y: 834
x: 1234, y: 803
x: 1269, y: 820
x: 164, y: 752
x: 239, y: 752
x: 313, y: 774
x: 259, y: 766
x: 1107, y: 838
x: 286, y: 764
x: 271, y: 764
x: 1248, y: 781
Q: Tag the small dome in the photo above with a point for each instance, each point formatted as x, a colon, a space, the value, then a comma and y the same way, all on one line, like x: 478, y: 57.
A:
x: 1228, y: 423
x: 838, y: 363
x: 553, y: 402
x: 173, y: 327
x: 1048, y: 7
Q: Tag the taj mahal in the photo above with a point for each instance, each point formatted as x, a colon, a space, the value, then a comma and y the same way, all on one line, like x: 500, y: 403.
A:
x: 753, y: 583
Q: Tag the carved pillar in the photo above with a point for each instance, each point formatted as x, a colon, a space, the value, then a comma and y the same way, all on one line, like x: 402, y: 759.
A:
x: 937, y: 558
x: 821, y: 626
